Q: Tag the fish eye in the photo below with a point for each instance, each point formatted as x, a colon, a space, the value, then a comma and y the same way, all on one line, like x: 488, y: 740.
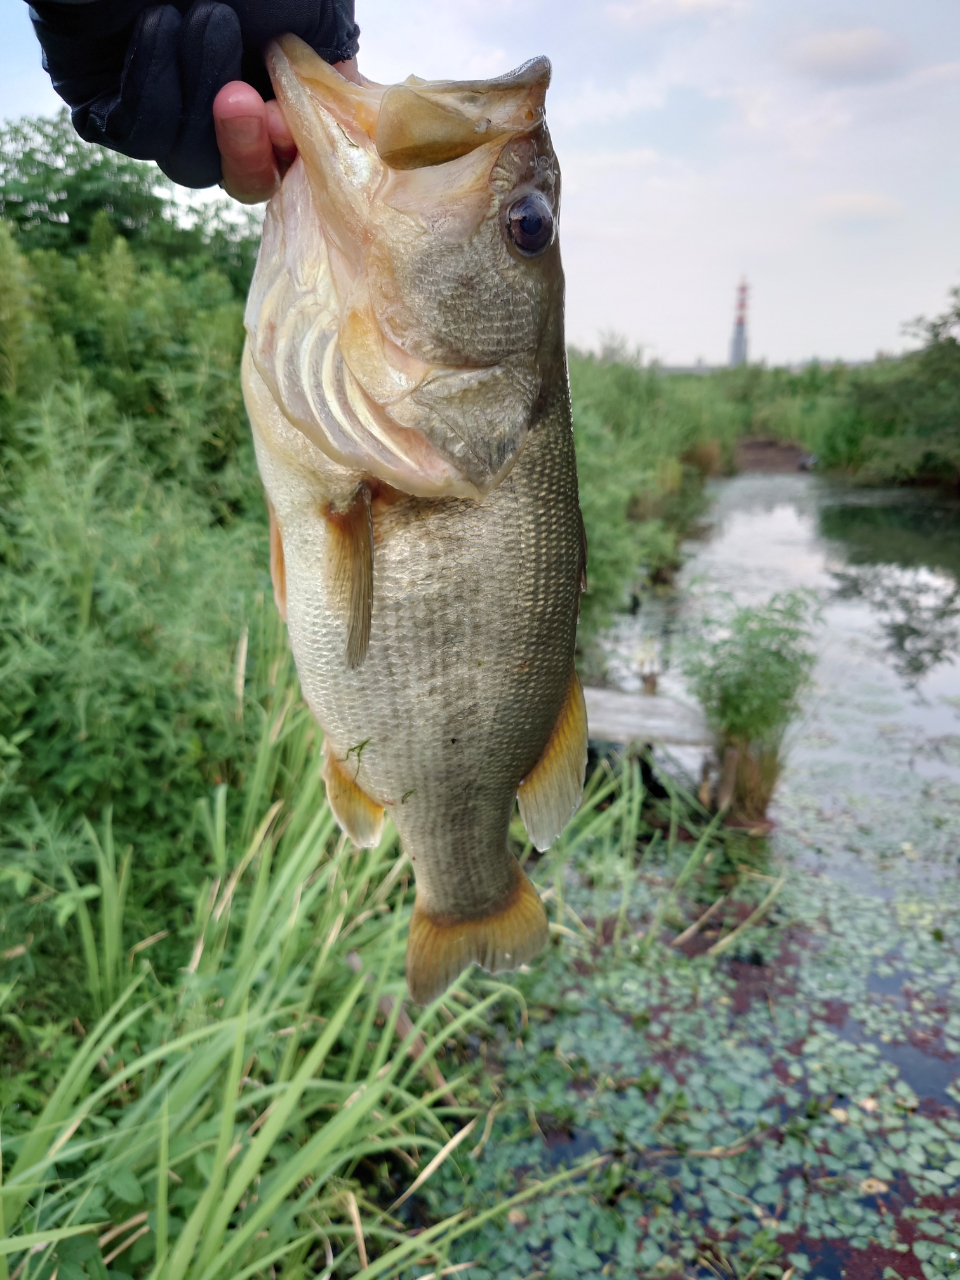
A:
x: 530, y: 223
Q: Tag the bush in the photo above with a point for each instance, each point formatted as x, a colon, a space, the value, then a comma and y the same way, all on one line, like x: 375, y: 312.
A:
x: 748, y: 675
x: 214, y: 1124
x: 132, y: 523
x: 69, y: 196
x: 898, y: 420
x: 645, y: 442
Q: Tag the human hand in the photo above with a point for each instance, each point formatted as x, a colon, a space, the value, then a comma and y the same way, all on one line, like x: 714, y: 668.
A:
x: 256, y: 147
x: 142, y: 79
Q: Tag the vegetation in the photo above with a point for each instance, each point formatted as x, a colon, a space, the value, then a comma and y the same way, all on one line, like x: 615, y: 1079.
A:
x: 214, y: 1125
x: 206, y: 1066
x: 645, y: 444
x: 748, y: 674
x: 900, y: 421
x: 894, y: 421
x: 180, y: 924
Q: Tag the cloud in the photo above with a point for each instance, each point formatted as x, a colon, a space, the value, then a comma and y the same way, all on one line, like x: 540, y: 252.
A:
x: 858, y: 208
x: 846, y: 57
x: 595, y: 105
x: 597, y: 161
x: 650, y: 13
x: 584, y: 170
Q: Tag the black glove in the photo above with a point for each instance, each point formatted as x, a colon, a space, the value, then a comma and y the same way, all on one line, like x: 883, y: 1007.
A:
x: 141, y: 78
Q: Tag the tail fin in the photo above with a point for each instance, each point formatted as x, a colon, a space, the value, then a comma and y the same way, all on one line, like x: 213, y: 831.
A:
x: 439, y: 949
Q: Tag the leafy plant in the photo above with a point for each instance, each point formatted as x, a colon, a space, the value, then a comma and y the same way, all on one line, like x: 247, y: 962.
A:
x: 69, y: 196
x: 748, y: 674
x: 235, y: 1104
x: 645, y: 442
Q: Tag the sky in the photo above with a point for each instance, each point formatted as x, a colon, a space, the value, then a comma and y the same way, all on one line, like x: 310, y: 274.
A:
x: 811, y: 149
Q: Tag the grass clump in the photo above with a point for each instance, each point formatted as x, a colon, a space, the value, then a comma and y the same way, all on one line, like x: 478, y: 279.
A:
x: 748, y: 674
x: 241, y: 1114
x: 645, y: 444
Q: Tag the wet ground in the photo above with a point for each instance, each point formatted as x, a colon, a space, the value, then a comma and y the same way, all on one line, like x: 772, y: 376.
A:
x: 793, y: 1104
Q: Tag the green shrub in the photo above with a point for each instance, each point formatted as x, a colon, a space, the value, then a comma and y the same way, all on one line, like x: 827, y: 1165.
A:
x: 219, y: 1122
x: 70, y: 197
x: 748, y: 675
x: 897, y: 420
x: 644, y: 445
x: 132, y: 531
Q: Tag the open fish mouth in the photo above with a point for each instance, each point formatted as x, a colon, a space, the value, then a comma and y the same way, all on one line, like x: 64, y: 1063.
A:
x: 401, y: 308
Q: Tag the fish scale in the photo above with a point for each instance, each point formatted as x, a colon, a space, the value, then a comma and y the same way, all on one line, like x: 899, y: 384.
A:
x: 447, y: 687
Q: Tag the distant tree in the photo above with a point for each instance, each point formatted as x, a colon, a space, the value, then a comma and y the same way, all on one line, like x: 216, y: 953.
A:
x: 67, y: 195
x: 53, y: 185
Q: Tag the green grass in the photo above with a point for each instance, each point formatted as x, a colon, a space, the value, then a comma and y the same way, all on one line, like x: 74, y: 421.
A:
x: 268, y: 1103
x: 748, y: 671
x: 203, y: 1052
x: 230, y: 1117
x: 645, y: 444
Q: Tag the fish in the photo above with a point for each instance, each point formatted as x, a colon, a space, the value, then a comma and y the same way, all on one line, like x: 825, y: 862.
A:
x: 405, y: 378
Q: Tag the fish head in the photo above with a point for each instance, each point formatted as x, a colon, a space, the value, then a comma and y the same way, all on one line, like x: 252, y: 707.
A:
x: 436, y: 204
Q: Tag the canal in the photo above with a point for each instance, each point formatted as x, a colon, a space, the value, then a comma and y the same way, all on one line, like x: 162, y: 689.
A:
x: 791, y: 1107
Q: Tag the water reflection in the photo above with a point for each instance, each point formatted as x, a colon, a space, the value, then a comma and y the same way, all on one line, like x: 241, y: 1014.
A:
x: 874, y: 763
x: 900, y: 527
x: 917, y: 612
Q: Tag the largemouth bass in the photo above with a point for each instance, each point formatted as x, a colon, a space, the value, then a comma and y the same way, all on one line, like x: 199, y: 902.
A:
x: 405, y: 377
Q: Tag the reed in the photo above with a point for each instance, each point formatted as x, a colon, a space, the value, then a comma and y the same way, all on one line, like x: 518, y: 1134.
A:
x: 214, y: 1126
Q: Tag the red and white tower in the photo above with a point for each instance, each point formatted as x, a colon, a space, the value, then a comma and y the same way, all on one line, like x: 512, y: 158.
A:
x: 738, y: 344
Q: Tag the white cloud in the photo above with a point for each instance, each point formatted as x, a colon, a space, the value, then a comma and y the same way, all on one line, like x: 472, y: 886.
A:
x: 596, y: 161
x: 650, y: 13
x: 583, y: 170
x: 858, y: 208
x: 844, y: 57
x: 596, y: 105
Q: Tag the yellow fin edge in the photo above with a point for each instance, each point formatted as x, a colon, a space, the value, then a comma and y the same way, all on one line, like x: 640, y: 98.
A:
x: 359, y: 816
x: 548, y: 796
x: 440, y: 948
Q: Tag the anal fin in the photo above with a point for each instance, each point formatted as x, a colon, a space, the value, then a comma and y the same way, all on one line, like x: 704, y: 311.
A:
x: 351, y: 564
x: 549, y: 794
x: 440, y: 948
x: 278, y: 570
x: 360, y: 817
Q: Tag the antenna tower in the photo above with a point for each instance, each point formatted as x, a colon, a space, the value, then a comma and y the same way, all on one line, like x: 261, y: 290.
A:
x: 738, y: 343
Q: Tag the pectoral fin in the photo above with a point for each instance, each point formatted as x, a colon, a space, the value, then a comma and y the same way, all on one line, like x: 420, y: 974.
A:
x: 351, y: 564
x: 278, y: 570
x: 360, y: 817
x: 439, y: 948
x: 551, y: 791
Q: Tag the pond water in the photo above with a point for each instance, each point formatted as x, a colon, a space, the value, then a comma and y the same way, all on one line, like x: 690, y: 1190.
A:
x: 791, y: 1108
x: 873, y: 766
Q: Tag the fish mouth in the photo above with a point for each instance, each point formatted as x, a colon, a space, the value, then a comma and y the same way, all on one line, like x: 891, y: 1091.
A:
x: 418, y: 123
x: 358, y: 144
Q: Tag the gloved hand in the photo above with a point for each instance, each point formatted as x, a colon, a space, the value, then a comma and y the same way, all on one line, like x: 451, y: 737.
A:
x: 141, y: 78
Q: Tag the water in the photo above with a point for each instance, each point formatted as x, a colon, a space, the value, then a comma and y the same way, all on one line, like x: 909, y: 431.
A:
x: 876, y: 752
x: 838, y: 1025
x: 870, y: 794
